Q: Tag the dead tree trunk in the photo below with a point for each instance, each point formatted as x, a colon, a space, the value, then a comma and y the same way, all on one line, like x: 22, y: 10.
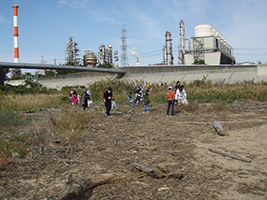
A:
x: 81, y: 188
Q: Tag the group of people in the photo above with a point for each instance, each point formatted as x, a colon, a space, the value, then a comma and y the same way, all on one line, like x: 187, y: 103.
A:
x: 85, y: 99
x: 178, y: 96
x: 140, y: 97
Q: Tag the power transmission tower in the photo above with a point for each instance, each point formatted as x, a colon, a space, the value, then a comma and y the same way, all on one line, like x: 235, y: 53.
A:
x: 124, y: 57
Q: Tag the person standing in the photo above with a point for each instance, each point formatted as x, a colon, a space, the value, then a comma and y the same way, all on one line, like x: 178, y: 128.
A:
x: 74, y: 99
x: 181, y: 96
x: 177, y: 86
x: 85, y: 97
x: 146, y: 102
x: 138, y: 94
x: 170, y: 96
x: 108, y: 97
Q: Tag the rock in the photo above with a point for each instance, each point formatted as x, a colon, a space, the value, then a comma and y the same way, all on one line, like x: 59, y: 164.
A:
x: 128, y: 117
x: 15, y: 155
x: 218, y: 128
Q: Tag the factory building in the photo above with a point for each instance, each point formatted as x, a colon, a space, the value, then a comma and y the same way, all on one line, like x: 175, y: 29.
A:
x: 208, y: 45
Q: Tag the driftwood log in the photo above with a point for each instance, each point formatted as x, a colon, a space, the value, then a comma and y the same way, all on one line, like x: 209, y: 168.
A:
x: 231, y: 156
x: 82, y: 188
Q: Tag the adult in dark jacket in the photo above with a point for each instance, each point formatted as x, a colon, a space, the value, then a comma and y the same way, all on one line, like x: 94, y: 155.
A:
x: 108, y: 97
x: 146, y: 102
x: 85, y: 97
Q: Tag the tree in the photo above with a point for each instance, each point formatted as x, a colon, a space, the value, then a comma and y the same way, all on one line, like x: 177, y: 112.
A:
x: 105, y: 65
x: 199, y: 62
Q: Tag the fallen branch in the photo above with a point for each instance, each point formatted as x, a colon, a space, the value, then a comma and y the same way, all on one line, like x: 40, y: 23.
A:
x: 143, y: 168
x: 156, y: 173
x: 81, y: 188
x: 231, y: 156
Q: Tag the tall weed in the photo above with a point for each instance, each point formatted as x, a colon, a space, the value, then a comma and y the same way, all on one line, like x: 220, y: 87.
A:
x: 30, y: 102
x: 70, y: 126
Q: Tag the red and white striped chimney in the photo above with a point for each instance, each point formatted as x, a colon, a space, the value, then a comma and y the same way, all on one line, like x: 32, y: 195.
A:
x: 16, y: 34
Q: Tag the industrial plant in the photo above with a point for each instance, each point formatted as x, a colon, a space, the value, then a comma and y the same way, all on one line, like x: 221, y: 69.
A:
x: 208, y: 45
x: 105, y: 55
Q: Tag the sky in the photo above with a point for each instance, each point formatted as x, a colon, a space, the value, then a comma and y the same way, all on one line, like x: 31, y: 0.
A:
x: 45, y: 27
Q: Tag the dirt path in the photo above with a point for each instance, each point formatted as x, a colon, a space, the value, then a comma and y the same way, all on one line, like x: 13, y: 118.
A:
x: 164, y: 143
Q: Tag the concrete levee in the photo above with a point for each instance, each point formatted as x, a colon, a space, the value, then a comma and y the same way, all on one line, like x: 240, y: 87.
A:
x: 166, y: 74
x: 190, y: 73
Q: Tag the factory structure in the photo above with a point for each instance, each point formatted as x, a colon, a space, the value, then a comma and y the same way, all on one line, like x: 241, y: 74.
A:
x: 208, y: 45
x: 167, y: 50
x: 105, y: 55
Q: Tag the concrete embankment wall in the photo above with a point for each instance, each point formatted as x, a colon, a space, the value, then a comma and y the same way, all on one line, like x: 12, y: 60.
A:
x: 166, y: 74
x: 186, y: 73
x: 187, y: 68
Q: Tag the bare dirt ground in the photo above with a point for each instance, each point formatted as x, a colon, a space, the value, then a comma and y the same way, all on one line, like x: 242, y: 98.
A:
x: 167, y: 144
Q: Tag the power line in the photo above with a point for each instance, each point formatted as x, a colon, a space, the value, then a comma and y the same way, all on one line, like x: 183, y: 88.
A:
x: 251, y: 54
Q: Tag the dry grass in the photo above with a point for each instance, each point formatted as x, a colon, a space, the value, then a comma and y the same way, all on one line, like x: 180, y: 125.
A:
x: 29, y: 102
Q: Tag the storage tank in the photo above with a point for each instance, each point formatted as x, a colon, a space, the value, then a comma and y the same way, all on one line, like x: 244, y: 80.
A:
x: 203, y: 30
x: 90, y: 59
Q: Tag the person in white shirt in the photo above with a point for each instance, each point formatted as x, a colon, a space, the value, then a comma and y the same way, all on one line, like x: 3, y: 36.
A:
x: 181, y: 95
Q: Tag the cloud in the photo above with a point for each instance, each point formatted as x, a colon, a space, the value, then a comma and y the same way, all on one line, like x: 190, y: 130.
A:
x: 133, y: 52
x: 102, y: 17
x: 73, y: 4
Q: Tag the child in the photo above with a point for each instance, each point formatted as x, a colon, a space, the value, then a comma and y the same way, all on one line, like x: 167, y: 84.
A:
x: 130, y: 99
x: 146, y: 102
x: 138, y: 94
x: 74, y: 99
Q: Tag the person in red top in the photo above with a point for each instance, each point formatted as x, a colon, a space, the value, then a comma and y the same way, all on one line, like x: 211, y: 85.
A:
x: 74, y: 99
x: 170, y: 96
x: 108, y: 97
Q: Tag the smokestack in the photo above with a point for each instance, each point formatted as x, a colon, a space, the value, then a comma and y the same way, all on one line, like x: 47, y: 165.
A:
x: 16, y: 34
x: 182, y: 40
x: 137, y: 62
